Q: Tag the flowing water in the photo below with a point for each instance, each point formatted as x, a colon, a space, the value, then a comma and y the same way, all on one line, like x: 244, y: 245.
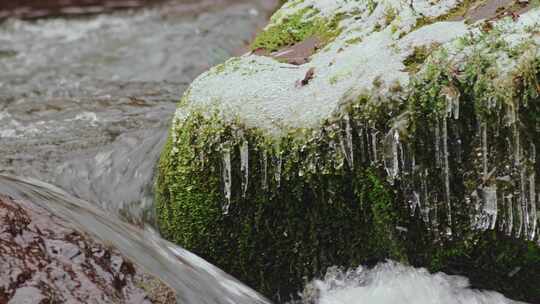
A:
x: 85, y: 105
x: 193, y: 279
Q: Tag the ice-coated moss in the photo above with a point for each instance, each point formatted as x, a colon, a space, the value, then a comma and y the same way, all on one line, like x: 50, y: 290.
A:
x: 435, y: 167
x: 296, y: 28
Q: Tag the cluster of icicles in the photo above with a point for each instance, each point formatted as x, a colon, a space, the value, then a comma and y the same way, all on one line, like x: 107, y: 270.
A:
x: 520, y: 219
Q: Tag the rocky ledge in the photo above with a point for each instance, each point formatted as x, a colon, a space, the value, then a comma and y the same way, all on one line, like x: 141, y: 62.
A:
x: 356, y: 131
x: 45, y: 260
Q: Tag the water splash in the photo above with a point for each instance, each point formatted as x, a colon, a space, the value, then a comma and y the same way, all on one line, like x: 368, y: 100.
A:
x: 391, y: 283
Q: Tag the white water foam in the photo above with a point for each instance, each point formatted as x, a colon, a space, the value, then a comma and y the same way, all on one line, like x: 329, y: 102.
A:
x: 391, y: 283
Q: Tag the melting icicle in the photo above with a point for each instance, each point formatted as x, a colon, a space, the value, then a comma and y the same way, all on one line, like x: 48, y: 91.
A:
x: 277, y: 173
x: 518, y: 164
x: 391, y: 156
x: 510, y: 216
x: 437, y: 145
x: 489, y: 197
x: 532, y: 199
x: 227, y: 179
x: 451, y: 95
x: 347, y: 143
x: 415, y: 202
x: 524, y: 199
x: 483, y: 128
x: 362, y: 145
x: 532, y: 196
x: 425, y: 207
x: 446, y: 172
x: 244, y: 166
x: 402, y: 158
x: 519, y: 218
x: 265, y: 170
x: 374, y: 145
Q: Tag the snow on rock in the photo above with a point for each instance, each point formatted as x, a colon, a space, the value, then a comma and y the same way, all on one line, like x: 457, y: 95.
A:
x: 366, y: 57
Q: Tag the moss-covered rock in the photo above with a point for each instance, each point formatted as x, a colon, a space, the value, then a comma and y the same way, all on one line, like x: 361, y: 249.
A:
x: 416, y: 142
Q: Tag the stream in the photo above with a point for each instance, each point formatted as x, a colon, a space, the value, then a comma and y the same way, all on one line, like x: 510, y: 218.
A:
x: 85, y: 104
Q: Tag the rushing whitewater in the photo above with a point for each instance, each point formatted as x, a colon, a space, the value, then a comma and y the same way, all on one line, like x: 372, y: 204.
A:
x: 392, y: 283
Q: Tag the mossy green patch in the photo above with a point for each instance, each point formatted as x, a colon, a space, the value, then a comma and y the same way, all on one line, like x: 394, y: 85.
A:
x: 420, y: 53
x: 296, y: 28
x: 353, y: 40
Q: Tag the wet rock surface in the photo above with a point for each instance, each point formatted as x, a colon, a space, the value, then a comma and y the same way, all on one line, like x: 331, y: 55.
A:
x: 45, y: 260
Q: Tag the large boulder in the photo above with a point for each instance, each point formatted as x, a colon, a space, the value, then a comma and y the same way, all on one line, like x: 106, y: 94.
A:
x: 357, y: 131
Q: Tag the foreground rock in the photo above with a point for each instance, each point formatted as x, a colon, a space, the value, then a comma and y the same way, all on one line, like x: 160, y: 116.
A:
x: 406, y: 130
x: 45, y: 260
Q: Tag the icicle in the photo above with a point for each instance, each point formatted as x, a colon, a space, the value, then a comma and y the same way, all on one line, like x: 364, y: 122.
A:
x: 519, y: 218
x: 437, y: 145
x: 374, y: 145
x: 451, y: 95
x: 483, y: 129
x: 446, y: 172
x: 277, y: 173
x: 524, y: 199
x: 227, y: 179
x: 489, y: 197
x: 244, y: 166
x: 510, y: 216
x: 201, y: 160
x: 532, y: 199
x: 532, y: 196
x: 347, y: 142
x: 265, y: 170
x: 415, y: 202
x: 391, y: 156
x: 362, y: 146
x: 402, y: 158
x: 425, y: 205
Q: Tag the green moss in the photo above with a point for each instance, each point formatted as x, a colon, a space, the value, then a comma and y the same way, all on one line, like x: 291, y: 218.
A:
x: 414, y: 61
x: 296, y: 28
x: 372, y: 5
x: 385, y: 217
x: 389, y: 15
x: 353, y: 40
x: 7, y: 53
x: 192, y: 181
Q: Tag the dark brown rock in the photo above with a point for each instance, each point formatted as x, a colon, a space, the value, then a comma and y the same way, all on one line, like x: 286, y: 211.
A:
x: 44, y: 260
